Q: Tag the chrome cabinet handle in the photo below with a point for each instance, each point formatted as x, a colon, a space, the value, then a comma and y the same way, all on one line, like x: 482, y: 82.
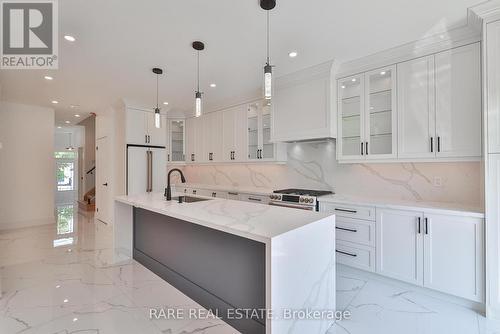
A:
x: 426, y: 221
x: 366, y: 148
x: 439, y: 144
x: 418, y: 225
x: 345, y: 253
x: 362, y: 149
x: 432, y: 144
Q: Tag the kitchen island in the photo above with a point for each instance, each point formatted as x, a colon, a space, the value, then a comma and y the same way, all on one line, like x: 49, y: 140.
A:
x: 233, y: 256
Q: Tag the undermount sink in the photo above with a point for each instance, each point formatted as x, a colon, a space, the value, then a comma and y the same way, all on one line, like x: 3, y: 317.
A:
x: 189, y: 199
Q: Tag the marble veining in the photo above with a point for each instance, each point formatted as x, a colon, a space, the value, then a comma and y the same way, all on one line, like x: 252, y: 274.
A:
x: 314, y: 166
x: 236, y: 217
x: 85, y: 287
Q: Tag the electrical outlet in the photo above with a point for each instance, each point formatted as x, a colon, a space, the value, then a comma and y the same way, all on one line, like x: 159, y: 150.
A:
x: 438, y: 181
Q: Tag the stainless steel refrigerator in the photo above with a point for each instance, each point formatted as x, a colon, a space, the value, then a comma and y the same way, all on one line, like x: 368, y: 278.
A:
x: 146, y: 169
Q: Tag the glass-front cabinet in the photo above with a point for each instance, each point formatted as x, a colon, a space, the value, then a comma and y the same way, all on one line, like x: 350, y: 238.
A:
x: 367, y: 117
x: 260, y: 146
x: 176, y: 146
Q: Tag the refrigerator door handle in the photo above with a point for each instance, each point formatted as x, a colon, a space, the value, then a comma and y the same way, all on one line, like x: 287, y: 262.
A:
x: 151, y: 171
x: 148, y: 171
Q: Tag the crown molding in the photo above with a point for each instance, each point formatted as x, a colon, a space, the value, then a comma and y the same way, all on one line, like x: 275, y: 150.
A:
x: 487, y: 11
x: 434, y: 43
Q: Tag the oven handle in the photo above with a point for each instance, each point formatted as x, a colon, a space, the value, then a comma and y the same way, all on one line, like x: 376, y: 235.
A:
x: 309, y: 208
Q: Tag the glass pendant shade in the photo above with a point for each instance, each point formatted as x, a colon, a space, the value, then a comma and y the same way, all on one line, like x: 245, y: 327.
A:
x: 268, y: 82
x: 198, y: 104
x: 157, y: 118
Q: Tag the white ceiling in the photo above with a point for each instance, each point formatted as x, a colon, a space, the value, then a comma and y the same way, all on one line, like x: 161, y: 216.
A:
x: 118, y: 42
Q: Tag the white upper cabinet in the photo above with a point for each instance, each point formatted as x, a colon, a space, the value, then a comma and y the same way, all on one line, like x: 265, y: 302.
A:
x: 351, y: 136
x: 427, y: 108
x: 367, y: 116
x: 302, y: 105
x: 237, y: 134
x: 141, y: 130
x: 458, y: 102
x: 380, y: 114
x: 176, y: 140
x: 416, y: 108
x: 234, y: 130
x: 493, y: 86
x: 212, y: 134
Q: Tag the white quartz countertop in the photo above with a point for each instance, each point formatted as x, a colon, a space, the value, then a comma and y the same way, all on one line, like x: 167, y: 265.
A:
x: 251, y: 220
x: 436, y: 207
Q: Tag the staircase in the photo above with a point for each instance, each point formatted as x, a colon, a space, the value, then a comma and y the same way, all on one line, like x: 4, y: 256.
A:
x: 88, y: 203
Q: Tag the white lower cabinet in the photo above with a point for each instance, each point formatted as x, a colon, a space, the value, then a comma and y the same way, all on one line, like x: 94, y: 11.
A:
x: 399, y: 245
x: 437, y: 251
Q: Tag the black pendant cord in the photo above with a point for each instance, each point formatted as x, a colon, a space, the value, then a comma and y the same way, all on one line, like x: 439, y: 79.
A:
x: 198, y: 71
x: 268, y: 43
x: 157, y: 107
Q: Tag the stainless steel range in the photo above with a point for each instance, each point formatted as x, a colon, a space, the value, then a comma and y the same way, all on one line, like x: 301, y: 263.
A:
x: 297, y: 198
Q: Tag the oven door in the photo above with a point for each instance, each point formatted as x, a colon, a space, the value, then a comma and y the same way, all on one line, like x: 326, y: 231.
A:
x: 293, y: 206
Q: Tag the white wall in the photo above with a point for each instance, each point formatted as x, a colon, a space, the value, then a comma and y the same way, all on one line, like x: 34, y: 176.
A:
x: 27, y: 172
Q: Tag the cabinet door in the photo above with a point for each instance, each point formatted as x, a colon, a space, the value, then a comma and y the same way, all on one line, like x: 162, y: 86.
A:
x: 380, y: 109
x: 157, y: 136
x: 458, y: 102
x: 199, y: 134
x: 176, y: 146
x: 399, y: 245
x: 136, y: 127
x: 493, y: 86
x: 253, y: 131
x: 216, y: 138
x: 240, y: 136
x: 267, y: 147
x: 351, y: 118
x: 416, y: 108
x: 228, y: 133
x: 453, y: 255
x: 190, y: 139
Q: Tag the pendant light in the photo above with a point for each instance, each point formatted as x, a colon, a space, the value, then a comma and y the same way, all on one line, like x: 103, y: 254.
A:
x: 158, y: 72
x: 267, y: 5
x: 70, y: 147
x: 198, y: 46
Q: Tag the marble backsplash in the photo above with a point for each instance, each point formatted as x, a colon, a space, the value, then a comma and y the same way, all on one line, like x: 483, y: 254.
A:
x: 314, y: 166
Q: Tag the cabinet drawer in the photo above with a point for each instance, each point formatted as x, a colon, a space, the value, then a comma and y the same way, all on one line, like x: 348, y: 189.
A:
x: 361, y: 257
x: 348, y: 210
x: 357, y: 231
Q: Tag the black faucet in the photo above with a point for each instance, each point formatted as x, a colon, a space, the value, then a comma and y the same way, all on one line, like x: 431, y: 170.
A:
x: 168, y: 190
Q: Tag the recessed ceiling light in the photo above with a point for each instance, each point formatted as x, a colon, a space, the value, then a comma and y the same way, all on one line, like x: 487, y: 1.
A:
x: 75, y: 319
x: 343, y: 86
x: 69, y: 38
x: 59, y: 127
x: 74, y: 106
x: 213, y: 85
x: 382, y: 73
x: 353, y: 80
x: 65, y: 301
x: 293, y: 54
x: 165, y: 103
x: 76, y: 115
x: 48, y: 77
x: 55, y: 102
x: 58, y: 286
x: 67, y: 122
